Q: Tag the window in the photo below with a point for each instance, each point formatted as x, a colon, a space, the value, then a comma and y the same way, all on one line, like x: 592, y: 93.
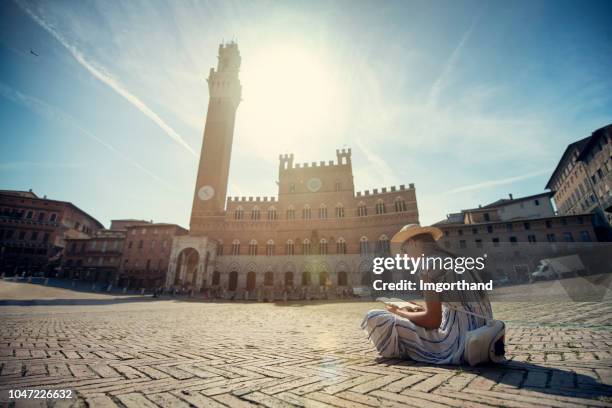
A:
x: 271, y: 214
x: 537, y: 202
x: 235, y: 247
x: 585, y: 236
x: 462, y: 244
x: 380, y: 207
x: 152, y: 245
x: 323, y: 246
x: 41, y: 216
x: 253, y: 247
x: 551, y: 238
x: 270, y: 248
x: 474, y: 231
x: 341, y: 246
x: 339, y: 211
x: 548, y: 224
x: 531, y: 239
x: 563, y: 221
x: 495, y: 242
x: 289, y: 247
x: 323, y: 212
x: 292, y: 188
x: 92, y: 246
x: 219, y: 248
x: 144, y: 231
x: 306, y: 214
x: 490, y: 229
x: 460, y: 232
x: 478, y: 243
x: 486, y: 216
x: 53, y: 218
x: 34, y: 236
x: 306, y: 247
x: 239, y: 213
x: 139, y: 244
x: 255, y: 214
x: 383, y: 245
x: 513, y: 241
x: 291, y: 213
x: 580, y: 220
x: 46, y: 237
x: 30, y: 214
x: 362, y: 210
x: 509, y: 226
x: 568, y: 237
x: 400, y: 205
x: 338, y: 186
x: 363, y: 245
x: 526, y: 225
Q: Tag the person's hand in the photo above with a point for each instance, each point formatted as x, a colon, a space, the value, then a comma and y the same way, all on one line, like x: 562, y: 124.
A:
x: 392, y: 308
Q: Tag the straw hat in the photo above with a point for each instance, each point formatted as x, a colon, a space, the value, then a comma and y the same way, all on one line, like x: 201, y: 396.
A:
x: 411, y: 230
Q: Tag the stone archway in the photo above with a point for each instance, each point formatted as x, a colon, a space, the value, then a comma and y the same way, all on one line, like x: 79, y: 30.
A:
x: 251, y: 281
x: 233, y: 281
x: 187, y: 268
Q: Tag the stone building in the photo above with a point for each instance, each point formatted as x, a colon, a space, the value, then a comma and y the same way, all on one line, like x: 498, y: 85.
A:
x: 582, y: 180
x: 516, y: 233
x: 146, y: 254
x: 317, y: 235
x: 34, y: 230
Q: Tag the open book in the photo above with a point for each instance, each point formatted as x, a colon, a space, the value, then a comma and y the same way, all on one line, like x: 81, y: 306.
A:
x: 401, y: 304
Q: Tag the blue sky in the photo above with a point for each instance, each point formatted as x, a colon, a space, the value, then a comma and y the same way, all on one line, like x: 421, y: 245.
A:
x: 468, y: 100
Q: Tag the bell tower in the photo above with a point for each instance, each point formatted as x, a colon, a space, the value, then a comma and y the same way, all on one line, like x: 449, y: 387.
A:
x: 224, y: 96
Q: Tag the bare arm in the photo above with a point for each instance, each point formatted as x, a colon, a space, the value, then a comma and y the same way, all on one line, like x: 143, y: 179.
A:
x: 430, y: 318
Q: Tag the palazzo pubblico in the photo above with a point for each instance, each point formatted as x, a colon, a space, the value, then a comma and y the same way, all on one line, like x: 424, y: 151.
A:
x: 317, y: 237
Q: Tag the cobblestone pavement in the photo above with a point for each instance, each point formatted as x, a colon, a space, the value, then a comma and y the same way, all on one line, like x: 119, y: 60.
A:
x: 176, y: 353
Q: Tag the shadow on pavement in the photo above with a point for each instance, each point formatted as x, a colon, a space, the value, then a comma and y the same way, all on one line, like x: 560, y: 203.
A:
x: 74, y: 302
x: 528, y: 376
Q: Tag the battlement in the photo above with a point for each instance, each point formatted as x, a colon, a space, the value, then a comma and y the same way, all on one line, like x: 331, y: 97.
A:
x: 286, y: 161
x: 251, y: 200
x: 384, y: 190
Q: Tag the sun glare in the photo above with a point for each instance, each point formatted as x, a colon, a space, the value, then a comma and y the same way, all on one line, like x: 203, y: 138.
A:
x: 287, y: 92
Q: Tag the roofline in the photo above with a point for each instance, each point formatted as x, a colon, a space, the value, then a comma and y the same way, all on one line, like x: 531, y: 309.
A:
x: 60, y: 202
x: 563, y: 156
x: 519, y: 220
x: 509, y: 201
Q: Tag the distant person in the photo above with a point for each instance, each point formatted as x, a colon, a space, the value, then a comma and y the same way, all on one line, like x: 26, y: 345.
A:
x: 440, y: 333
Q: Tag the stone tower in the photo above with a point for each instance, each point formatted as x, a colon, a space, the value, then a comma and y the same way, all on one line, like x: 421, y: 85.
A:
x: 213, y: 171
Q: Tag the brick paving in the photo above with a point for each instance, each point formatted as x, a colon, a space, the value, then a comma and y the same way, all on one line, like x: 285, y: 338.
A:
x: 179, y: 353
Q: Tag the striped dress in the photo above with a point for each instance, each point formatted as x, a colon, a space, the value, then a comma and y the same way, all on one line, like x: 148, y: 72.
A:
x: 397, y: 337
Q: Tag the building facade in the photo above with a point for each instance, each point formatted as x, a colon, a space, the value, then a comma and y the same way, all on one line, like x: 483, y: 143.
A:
x: 34, y: 231
x: 582, y: 180
x: 515, y: 244
x: 317, y: 235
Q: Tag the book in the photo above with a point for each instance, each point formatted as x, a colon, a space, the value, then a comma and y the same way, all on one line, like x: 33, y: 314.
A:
x: 401, y: 304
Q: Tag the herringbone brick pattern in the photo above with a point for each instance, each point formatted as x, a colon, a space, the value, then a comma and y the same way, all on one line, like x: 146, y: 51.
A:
x: 180, y: 354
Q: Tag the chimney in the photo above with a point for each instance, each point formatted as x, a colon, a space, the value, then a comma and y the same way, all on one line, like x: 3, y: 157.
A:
x: 510, y: 195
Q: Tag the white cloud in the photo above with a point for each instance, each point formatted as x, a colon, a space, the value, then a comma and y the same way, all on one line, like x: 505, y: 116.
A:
x: 499, y: 182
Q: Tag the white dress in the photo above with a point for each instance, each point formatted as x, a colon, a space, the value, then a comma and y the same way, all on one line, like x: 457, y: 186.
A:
x: 397, y: 337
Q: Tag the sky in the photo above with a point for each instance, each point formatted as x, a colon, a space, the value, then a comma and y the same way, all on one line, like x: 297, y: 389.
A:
x: 103, y: 104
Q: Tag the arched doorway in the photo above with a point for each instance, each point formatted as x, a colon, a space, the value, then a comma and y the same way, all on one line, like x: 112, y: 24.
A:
x: 216, y: 278
x: 251, y: 276
x: 342, y: 279
x: 187, y: 267
x: 323, y: 278
x: 305, y: 278
x: 288, y: 278
x: 233, y: 281
x: 269, y: 278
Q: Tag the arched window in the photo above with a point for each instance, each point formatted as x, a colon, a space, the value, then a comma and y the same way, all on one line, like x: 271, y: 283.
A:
x: 271, y: 214
x: 338, y: 186
x: 400, y: 204
x: 341, y: 246
x: 323, y: 212
x: 251, y: 281
x: 362, y: 210
x: 306, y: 247
x: 305, y: 278
x: 253, y: 247
x: 363, y: 245
x: 219, y: 247
x: 291, y: 213
x: 270, y: 248
x: 255, y: 213
x: 235, y: 247
x: 323, y: 278
x: 380, y: 207
x: 239, y: 213
x: 289, y: 247
x: 323, y: 246
x: 339, y: 210
x: 288, y: 278
x: 306, y: 214
x: 383, y: 245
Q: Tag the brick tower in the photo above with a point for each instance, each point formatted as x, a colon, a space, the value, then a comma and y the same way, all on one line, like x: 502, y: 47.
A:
x: 213, y: 171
